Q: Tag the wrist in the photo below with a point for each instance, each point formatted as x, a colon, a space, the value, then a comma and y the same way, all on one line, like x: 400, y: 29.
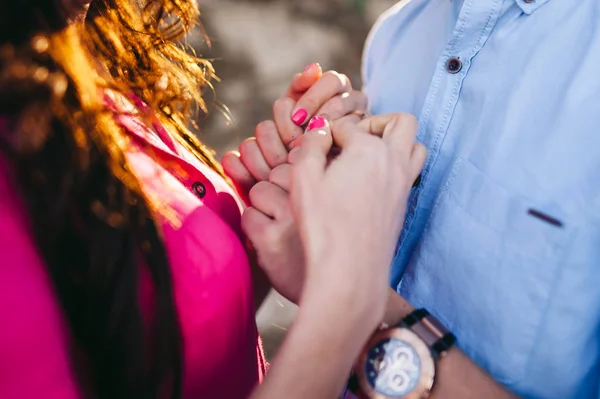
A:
x: 337, y: 333
x: 397, y: 308
x: 340, y: 307
x: 346, y: 305
x: 314, y: 347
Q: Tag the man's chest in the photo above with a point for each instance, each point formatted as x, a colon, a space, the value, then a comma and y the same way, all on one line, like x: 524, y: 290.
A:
x: 507, y: 106
x: 500, y: 239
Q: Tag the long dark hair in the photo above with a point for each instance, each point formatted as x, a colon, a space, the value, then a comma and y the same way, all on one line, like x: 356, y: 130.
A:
x: 94, y: 226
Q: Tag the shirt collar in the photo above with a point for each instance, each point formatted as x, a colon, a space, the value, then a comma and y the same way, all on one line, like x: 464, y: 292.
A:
x: 530, y: 6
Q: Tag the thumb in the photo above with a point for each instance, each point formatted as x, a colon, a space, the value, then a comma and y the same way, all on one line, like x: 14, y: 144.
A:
x: 316, y: 139
x: 309, y: 161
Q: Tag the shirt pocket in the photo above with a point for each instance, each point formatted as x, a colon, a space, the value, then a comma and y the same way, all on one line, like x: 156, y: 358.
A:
x: 486, y: 266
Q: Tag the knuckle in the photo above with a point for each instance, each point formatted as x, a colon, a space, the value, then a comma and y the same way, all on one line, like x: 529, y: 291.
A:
x: 259, y: 188
x: 275, y: 174
x: 420, y: 147
x: 407, y: 119
x: 279, y: 104
x: 337, y: 80
x: 279, y: 158
x: 279, y: 173
x: 265, y: 128
x: 311, y: 102
x: 257, y: 192
x: 283, y: 169
x: 271, y: 236
x: 247, y: 145
x: 411, y: 118
x: 261, y: 234
x: 336, y: 107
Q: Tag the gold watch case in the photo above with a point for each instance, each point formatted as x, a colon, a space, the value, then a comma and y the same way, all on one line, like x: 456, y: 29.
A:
x: 395, y: 364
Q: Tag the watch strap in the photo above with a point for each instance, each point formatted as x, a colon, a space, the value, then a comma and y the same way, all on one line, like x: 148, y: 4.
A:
x: 430, y: 330
x: 353, y: 385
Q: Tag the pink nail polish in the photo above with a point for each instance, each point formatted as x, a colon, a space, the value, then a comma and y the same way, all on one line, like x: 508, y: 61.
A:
x: 299, y: 117
x: 317, y: 122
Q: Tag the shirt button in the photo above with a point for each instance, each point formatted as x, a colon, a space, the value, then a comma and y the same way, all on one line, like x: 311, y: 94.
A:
x: 453, y: 65
x: 199, y: 189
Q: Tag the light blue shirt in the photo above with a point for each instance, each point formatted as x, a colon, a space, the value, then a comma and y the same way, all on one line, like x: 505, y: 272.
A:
x: 502, y: 237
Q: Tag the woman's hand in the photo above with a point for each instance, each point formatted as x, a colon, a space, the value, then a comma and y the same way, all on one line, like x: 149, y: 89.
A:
x: 258, y: 155
x: 331, y: 96
x: 311, y: 93
x: 349, y: 213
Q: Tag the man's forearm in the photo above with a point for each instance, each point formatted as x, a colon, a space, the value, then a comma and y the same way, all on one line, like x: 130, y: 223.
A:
x: 457, y: 376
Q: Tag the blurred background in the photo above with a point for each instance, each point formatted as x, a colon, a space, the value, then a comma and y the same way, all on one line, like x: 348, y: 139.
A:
x: 257, y: 46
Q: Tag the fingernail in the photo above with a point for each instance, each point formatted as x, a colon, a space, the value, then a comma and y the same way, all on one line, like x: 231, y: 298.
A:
x: 314, y: 65
x: 317, y: 122
x: 299, y: 117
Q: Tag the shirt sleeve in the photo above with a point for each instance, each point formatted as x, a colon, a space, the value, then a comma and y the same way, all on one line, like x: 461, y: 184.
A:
x: 34, y: 356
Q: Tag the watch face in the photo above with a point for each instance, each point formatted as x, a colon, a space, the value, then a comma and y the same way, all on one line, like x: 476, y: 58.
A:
x: 396, y: 364
x: 393, y: 368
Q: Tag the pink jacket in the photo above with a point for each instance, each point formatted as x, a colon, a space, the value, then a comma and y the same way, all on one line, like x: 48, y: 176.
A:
x: 223, y: 357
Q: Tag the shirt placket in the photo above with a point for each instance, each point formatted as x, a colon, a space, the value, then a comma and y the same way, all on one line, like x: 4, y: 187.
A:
x: 475, y: 22
x: 176, y: 162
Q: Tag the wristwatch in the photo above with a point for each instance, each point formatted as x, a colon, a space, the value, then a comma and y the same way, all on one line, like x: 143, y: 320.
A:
x: 399, y: 362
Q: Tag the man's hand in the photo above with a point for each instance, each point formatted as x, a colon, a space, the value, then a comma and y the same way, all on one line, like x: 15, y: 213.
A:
x: 270, y: 227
